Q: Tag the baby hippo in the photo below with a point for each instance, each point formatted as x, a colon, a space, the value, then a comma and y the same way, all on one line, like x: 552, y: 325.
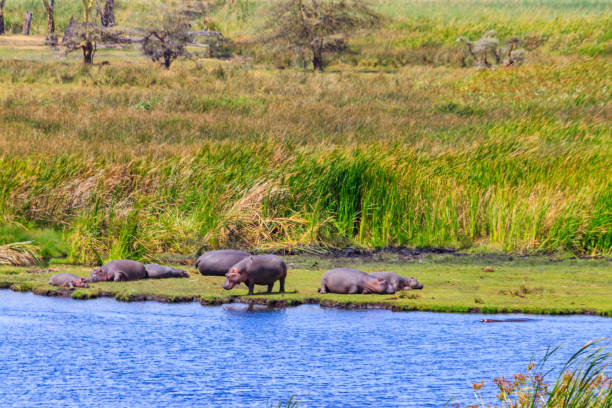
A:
x: 257, y: 270
x: 351, y: 281
x: 157, y: 271
x: 69, y: 280
x: 121, y: 270
x: 400, y: 282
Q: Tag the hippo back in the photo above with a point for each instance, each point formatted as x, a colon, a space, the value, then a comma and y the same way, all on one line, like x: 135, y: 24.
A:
x: 127, y: 269
x: 218, y: 262
x: 343, y: 280
x: 263, y: 268
x: 62, y: 279
x: 399, y: 281
x: 157, y: 271
x: 390, y: 277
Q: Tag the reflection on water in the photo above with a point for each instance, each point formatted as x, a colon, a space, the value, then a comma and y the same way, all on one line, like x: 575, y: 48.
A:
x: 62, y: 352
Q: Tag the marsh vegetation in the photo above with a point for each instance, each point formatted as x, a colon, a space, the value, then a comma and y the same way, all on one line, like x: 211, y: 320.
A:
x: 396, y: 143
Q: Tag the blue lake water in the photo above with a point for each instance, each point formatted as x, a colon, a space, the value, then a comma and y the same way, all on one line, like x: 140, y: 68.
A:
x: 64, y: 353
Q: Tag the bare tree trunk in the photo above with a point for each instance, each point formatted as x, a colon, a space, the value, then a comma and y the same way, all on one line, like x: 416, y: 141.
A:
x: 2, y: 16
x: 317, y: 59
x: 107, y: 16
x: 510, y: 60
x: 69, y: 32
x: 51, y: 37
x: 88, y: 50
x: 27, y: 23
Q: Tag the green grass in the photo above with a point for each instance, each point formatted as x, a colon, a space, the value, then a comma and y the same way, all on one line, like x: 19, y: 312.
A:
x: 451, y: 285
x: 395, y: 145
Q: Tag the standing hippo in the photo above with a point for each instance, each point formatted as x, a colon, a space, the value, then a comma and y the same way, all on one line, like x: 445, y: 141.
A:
x: 400, y: 282
x: 68, y: 279
x: 217, y: 263
x: 121, y: 270
x: 351, y: 281
x: 157, y: 271
x: 257, y: 270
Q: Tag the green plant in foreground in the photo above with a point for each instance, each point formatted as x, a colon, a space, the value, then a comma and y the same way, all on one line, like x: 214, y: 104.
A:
x: 584, y: 381
x: 290, y: 403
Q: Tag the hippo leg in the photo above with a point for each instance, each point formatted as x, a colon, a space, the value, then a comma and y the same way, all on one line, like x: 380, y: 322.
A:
x: 71, y: 285
x: 354, y: 289
x: 323, y: 289
x: 251, y: 285
x: 270, y: 288
x: 117, y: 277
x: 282, y: 285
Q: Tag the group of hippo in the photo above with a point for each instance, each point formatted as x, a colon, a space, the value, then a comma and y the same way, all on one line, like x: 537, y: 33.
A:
x: 116, y: 271
x: 240, y: 267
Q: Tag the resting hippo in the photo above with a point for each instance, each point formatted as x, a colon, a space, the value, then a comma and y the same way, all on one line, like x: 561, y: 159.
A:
x: 157, y: 271
x: 121, y: 270
x: 507, y: 320
x: 68, y: 279
x: 257, y: 270
x: 348, y: 280
x: 398, y: 281
x: 217, y: 263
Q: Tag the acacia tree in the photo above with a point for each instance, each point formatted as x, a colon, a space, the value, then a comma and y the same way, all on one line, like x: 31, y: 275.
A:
x: 82, y: 36
x: 85, y: 35
x: 2, y: 16
x: 51, y: 37
x: 170, y: 31
x: 487, y: 49
x: 317, y: 27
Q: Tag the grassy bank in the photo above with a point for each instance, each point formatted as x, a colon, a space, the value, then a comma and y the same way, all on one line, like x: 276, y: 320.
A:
x: 386, y: 148
x: 451, y: 285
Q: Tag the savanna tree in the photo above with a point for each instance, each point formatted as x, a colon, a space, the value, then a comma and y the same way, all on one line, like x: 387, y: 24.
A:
x: 85, y: 35
x: 486, y: 52
x: 315, y: 27
x: 169, y: 33
x: 2, y: 16
x: 51, y: 37
x: 82, y: 35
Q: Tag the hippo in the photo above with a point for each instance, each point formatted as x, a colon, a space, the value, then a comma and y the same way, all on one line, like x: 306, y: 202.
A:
x: 217, y: 263
x: 400, y: 282
x: 121, y: 270
x: 157, y: 271
x: 507, y: 320
x: 351, y: 281
x: 68, y: 279
x: 257, y: 270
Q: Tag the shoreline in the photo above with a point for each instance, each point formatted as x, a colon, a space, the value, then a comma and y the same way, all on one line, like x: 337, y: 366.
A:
x: 452, y: 285
x: 282, y: 303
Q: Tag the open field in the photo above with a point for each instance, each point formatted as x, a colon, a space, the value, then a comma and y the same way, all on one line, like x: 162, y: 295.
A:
x: 451, y: 285
x: 394, y: 145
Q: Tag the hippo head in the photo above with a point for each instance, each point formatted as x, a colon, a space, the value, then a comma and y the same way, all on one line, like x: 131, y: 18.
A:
x: 412, y: 284
x: 97, y: 275
x: 80, y: 283
x: 234, y: 277
x: 378, y: 285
